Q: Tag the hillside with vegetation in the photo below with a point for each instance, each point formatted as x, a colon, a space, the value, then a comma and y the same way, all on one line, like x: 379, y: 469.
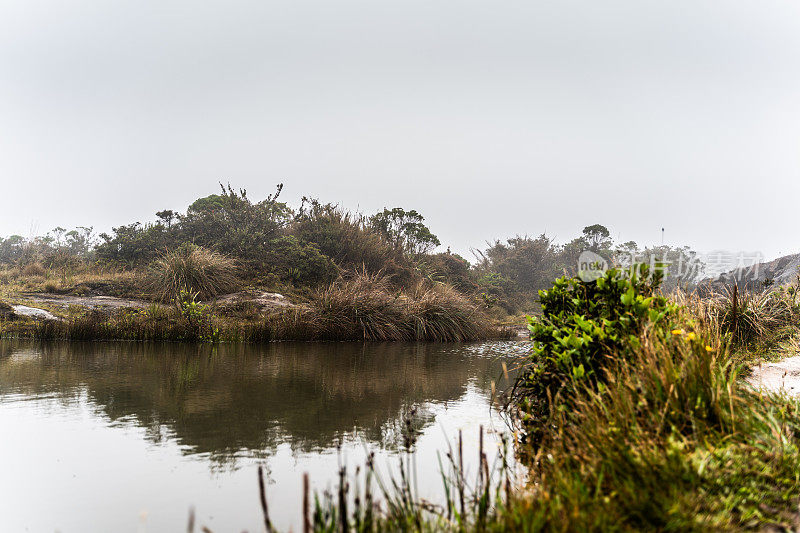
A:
x: 230, y: 268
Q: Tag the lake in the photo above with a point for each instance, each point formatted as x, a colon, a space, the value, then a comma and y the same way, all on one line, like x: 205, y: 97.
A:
x: 130, y: 436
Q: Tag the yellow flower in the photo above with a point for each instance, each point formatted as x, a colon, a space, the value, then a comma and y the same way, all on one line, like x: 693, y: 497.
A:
x: 677, y: 332
x: 709, y: 349
x: 690, y: 335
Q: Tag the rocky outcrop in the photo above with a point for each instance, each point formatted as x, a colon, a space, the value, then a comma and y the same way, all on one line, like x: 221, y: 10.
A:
x: 263, y: 302
x: 89, y: 302
x: 34, y: 312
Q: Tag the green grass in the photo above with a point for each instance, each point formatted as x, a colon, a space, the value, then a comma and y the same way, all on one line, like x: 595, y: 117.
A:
x: 671, y: 439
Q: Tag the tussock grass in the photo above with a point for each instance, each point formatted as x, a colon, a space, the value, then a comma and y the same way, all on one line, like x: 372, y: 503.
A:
x: 192, y: 268
x: 362, y: 307
x: 33, y: 270
x: 754, y: 322
x: 365, y: 306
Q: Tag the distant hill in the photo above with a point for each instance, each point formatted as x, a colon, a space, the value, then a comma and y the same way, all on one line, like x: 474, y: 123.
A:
x: 781, y: 271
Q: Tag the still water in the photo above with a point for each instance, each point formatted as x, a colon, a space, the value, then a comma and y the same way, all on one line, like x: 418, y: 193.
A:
x: 129, y: 437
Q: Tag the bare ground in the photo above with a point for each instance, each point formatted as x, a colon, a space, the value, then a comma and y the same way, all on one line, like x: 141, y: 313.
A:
x: 783, y: 375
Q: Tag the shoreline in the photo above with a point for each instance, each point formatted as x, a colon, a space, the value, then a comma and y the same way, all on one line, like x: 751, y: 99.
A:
x: 259, y: 317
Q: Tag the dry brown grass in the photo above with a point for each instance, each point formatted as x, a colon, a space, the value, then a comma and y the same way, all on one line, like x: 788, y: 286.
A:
x: 194, y: 269
x: 759, y: 322
x: 84, y: 279
x: 365, y: 306
x: 33, y: 270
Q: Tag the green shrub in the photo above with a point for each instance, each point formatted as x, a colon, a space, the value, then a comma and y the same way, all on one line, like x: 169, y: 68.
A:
x: 346, y: 238
x: 299, y: 263
x: 194, y: 269
x: 448, y: 268
x: 404, y: 230
x: 584, y: 325
x: 232, y: 224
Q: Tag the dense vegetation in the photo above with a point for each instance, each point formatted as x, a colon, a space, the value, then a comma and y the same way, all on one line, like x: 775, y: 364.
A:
x: 632, y: 410
x: 271, y: 246
x: 642, y: 417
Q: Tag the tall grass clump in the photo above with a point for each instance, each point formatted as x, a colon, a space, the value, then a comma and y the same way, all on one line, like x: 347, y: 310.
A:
x: 439, y: 311
x: 366, y: 306
x: 198, y: 270
x: 755, y: 321
x: 360, y: 306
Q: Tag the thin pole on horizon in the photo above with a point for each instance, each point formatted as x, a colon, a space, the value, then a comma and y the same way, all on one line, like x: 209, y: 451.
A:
x: 662, y: 236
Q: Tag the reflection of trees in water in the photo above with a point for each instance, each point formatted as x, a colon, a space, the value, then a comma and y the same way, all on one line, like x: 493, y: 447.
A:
x: 222, y: 400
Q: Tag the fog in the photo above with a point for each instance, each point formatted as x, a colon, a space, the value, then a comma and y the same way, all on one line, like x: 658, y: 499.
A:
x: 490, y: 119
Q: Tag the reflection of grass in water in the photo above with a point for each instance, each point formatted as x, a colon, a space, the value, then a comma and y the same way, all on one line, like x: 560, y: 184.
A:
x: 368, y: 500
x: 222, y: 400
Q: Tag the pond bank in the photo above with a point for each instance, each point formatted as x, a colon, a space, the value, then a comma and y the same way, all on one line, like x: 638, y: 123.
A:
x: 250, y: 316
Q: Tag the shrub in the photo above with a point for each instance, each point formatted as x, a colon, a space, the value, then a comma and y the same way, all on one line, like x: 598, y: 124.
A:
x: 194, y: 269
x: 583, y: 327
x: 134, y: 244
x: 530, y: 264
x: 351, y: 242
x: 234, y: 225
x: 404, y: 230
x: 33, y: 269
x: 673, y: 441
x: 449, y: 268
x: 299, y: 262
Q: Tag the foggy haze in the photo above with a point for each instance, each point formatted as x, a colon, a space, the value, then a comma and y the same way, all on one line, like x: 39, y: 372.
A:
x: 491, y: 119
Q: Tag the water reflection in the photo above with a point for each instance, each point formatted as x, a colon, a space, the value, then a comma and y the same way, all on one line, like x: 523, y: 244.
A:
x: 286, y: 406
x: 226, y: 399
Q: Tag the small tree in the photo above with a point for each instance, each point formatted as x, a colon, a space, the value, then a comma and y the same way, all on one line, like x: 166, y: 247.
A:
x: 597, y: 237
x: 405, y: 230
x: 166, y: 216
x: 231, y: 224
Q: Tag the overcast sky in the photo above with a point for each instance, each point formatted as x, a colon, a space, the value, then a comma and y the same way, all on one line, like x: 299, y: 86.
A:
x: 490, y: 118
